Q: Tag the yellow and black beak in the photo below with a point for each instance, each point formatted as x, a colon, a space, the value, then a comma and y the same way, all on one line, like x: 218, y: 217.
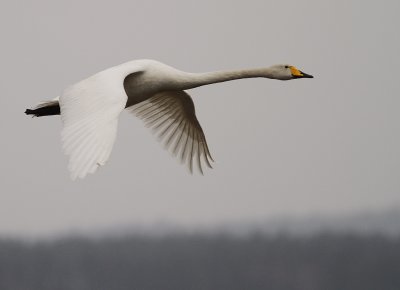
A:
x: 297, y: 74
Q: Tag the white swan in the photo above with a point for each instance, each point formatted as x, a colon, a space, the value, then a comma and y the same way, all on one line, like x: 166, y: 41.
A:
x: 155, y: 93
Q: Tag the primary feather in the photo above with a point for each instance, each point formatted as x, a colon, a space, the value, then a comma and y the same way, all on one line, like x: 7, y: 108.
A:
x: 172, y: 116
x: 90, y: 111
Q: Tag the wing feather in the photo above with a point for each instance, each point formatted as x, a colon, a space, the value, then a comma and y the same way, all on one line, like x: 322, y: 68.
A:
x: 171, y: 115
x: 89, y: 111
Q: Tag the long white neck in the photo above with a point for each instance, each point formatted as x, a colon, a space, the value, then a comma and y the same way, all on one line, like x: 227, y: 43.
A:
x: 193, y: 80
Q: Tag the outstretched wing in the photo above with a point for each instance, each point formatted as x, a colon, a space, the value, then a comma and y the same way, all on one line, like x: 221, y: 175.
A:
x: 172, y: 116
x: 89, y: 111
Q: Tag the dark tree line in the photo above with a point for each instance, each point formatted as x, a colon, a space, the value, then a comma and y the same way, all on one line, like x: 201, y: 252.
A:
x: 194, y: 262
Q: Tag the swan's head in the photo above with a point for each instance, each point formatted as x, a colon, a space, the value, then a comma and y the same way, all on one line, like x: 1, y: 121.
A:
x: 287, y: 72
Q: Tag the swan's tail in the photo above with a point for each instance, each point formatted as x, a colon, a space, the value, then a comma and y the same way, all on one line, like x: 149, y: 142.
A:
x: 47, y: 108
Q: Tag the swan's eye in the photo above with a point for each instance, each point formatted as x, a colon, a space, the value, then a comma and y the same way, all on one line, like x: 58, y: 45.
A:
x: 286, y: 66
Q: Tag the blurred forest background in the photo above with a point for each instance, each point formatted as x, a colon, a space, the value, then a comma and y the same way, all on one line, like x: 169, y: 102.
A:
x: 318, y: 252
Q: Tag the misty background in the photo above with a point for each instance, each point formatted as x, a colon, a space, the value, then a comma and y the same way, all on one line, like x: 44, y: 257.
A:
x: 299, y: 164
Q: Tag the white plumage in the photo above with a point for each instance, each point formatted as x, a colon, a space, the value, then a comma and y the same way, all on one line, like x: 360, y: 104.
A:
x: 90, y: 111
x: 152, y: 91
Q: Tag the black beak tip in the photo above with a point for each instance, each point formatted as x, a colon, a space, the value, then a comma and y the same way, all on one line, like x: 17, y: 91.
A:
x: 307, y: 75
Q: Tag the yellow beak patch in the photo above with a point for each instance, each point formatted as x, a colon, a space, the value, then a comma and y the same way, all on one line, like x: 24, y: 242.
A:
x: 295, y: 71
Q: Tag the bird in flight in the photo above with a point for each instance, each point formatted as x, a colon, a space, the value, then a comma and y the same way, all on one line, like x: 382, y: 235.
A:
x: 154, y: 92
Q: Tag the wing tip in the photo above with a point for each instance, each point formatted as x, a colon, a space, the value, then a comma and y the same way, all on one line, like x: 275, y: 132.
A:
x: 75, y: 175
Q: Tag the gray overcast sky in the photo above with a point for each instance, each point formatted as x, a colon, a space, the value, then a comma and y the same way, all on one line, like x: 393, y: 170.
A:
x: 330, y: 144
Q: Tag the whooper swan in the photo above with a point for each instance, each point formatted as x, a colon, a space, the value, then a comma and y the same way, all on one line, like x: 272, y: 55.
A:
x: 154, y: 92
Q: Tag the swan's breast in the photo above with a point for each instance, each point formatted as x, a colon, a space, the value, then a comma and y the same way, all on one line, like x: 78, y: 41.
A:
x: 155, y: 78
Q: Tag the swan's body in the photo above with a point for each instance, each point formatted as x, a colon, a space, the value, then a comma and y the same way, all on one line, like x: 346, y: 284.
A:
x: 154, y: 92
